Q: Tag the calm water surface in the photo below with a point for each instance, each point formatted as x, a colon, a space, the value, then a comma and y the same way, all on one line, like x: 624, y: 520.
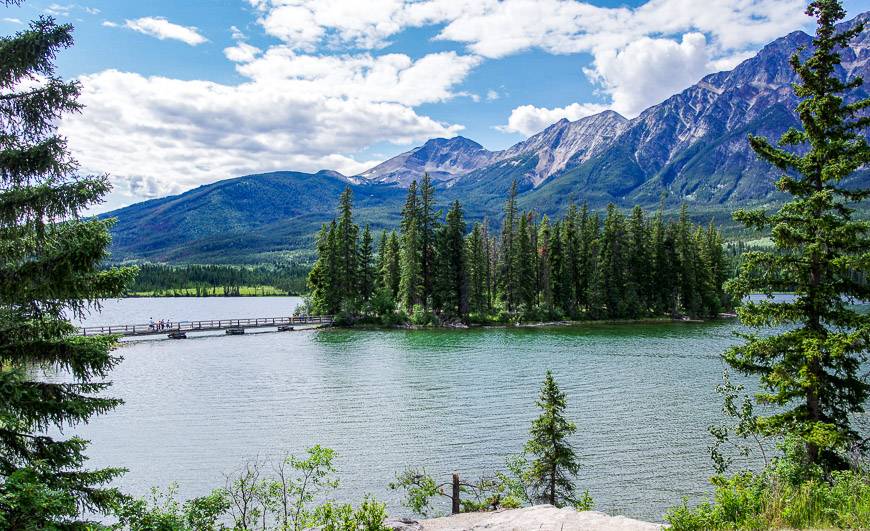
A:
x: 642, y: 397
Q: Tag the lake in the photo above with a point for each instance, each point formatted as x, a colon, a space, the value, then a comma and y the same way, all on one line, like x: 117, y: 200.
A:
x: 642, y: 396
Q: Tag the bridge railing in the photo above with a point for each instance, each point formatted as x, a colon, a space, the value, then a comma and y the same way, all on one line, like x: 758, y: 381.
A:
x: 210, y: 324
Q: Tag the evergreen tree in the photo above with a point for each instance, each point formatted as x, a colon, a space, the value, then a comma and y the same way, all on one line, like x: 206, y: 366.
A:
x: 587, y: 256
x: 391, y: 272
x: 661, y: 275
x: 452, y: 281
x: 508, y: 279
x: 410, y: 284
x: 477, y: 270
x: 525, y: 264
x: 50, y: 271
x: 367, y: 267
x: 560, y: 284
x: 639, y: 286
x: 380, y: 260
x: 811, y: 372
x: 427, y: 222
x: 687, y: 260
x: 347, y: 251
x: 610, y: 278
x: 544, y: 278
x: 555, y: 465
x: 322, y: 280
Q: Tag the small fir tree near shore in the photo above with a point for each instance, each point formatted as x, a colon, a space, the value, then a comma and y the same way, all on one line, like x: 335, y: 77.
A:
x: 555, y: 465
x: 50, y: 260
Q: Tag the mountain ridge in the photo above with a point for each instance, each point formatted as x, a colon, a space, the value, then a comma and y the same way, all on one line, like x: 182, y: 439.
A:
x: 691, y: 148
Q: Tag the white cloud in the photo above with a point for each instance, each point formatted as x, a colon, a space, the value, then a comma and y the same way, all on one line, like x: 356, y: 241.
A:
x: 310, y: 113
x: 647, y: 71
x: 304, y: 106
x: 65, y: 10
x: 12, y: 20
x: 242, y: 52
x: 674, y: 42
x: 492, y: 95
x: 109, y: 24
x: 528, y: 119
x: 161, y: 28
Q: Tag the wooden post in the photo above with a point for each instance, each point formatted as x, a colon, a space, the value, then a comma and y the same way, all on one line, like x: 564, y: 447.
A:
x: 455, y: 508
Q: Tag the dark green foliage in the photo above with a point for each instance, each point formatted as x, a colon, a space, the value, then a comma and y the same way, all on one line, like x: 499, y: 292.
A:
x: 571, y: 268
x: 812, y: 372
x: 204, y: 280
x: 554, y: 465
x: 50, y: 270
x: 509, y: 281
x: 367, y: 267
x: 787, y: 494
x: 451, y: 266
x: 390, y: 271
x: 410, y: 256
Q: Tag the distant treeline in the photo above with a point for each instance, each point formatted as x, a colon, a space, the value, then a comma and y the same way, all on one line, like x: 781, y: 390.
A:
x: 220, y: 280
x: 580, y: 266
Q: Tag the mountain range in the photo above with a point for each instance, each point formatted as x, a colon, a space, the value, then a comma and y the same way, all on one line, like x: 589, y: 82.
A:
x: 691, y: 148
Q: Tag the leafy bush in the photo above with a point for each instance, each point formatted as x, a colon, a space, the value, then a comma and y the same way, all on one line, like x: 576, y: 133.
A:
x: 254, y: 500
x: 784, y: 495
x: 422, y: 317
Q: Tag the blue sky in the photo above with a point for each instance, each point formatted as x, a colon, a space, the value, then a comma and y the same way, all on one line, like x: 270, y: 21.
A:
x: 180, y: 94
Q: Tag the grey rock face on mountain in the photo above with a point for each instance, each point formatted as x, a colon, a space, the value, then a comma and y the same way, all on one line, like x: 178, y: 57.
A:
x: 444, y: 159
x: 447, y: 160
x: 566, y: 142
x: 693, y: 146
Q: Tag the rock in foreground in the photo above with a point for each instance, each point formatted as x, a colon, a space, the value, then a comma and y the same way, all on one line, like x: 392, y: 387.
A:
x: 539, y: 518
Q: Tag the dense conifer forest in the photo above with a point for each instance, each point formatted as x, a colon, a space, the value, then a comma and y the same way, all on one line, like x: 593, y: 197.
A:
x: 219, y: 280
x: 587, y: 265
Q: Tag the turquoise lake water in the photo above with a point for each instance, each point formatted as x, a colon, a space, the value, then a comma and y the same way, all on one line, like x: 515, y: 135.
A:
x: 642, y: 396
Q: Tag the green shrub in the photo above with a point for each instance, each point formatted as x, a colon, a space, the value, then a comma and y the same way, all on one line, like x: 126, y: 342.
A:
x: 767, y: 500
x: 422, y: 317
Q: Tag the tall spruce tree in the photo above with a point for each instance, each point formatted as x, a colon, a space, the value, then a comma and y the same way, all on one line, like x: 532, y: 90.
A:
x: 50, y: 271
x: 543, y: 280
x: 639, y: 286
x: 347, y: 252
x: 507, y: 273
x: 410, y: 283
x: 452, y: 265
x: 427, y: 222
x: 391, y: 271
x: 477, y: 270
x: 525, y: 263
x: 554, y: 465
x: 379, y: 260
x: 811, y: 372
x: 324, y: 296
x: 367, y: 267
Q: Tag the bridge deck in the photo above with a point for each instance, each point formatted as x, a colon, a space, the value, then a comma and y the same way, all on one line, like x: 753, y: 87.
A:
x: 204, y: 326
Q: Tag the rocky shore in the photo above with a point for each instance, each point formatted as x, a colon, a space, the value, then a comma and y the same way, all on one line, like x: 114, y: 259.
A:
x: 538, y: 518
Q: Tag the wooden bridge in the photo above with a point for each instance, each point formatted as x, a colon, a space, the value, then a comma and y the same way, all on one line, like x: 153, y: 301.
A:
x: 179, y: 330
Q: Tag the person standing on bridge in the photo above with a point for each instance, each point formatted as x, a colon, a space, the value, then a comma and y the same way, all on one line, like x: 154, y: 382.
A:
x: 151, y: 323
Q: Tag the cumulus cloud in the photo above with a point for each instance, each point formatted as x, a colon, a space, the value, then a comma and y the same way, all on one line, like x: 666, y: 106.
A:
x: 324, y: 91
x: 313, y: 113
x: 641, y: 54
x: 162, y: 29
x: 528, y: 119
x: 647, y: 71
